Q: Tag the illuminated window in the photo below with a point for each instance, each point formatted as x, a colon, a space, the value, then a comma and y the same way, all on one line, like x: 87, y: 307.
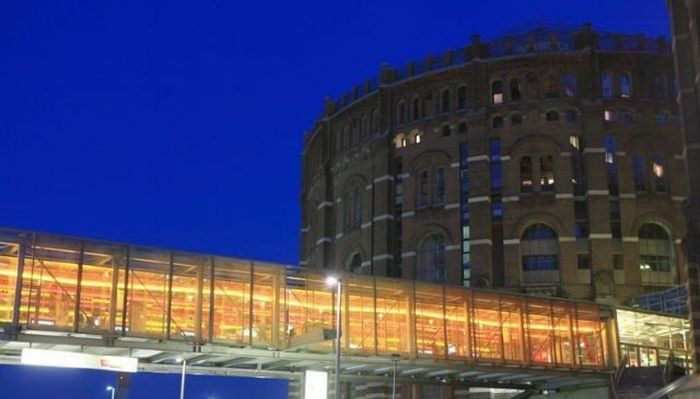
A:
x: 606, y: 82
x: 547, y: 173
x: 625, y: 85
x: 417, y: 138
x: 655, y: 249
x: 526, y: 174
x: 497, y: 92
x: 462, y: 98
x: 431, y: 260
x: 570, y: 86
x: 516, y: 90
x: 659, y: 175
x: 609, y: 115
x: 404, y: 142
x: 539, y: 248
x: 575, y: 142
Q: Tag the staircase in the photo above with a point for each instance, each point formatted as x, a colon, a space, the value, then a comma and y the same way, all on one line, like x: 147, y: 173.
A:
x: 639, y: 382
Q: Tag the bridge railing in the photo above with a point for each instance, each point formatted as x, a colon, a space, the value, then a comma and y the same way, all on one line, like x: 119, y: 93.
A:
x: 113, y: 290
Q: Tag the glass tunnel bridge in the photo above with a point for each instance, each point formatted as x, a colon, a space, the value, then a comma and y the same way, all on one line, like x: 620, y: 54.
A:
x: 241, y: 317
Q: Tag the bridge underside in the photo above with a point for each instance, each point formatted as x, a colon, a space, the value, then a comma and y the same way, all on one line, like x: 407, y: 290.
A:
x: 160, y: 356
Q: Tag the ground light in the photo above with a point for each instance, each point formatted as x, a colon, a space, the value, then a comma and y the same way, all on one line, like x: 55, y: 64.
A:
x: 333, y: 281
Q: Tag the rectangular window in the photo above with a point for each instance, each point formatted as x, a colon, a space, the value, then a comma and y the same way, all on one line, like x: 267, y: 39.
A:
x: 440, y: 186
x: 618, y: 261
x: 547, y: 173
x: 609, y: 115
x: 526, y: 182
x: 495, y: 156
x: 575, y: 142
x: 639, y: 173
x: 611, y: 163
x: 464, y: 210
x: 658, y: 169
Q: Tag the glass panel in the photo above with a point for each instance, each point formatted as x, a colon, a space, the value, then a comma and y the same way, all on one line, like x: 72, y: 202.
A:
x: 539, y: 329
x: 360, y: 315
x: 96, y: 308
x: 231, y: 301
x: 309, y: 307
x: 185, y: 298
x: 486, y: 325
x: 207, y: 284
x: 147, y: 293
x: 265, y: 299
x: 392, y: 317
x: 512, y: 329
x: 50, y: 279
x: 588, y: 333
x: 563, y: 339
x: 457, y: 322
x: 8, y: 279
x: 430, y: 328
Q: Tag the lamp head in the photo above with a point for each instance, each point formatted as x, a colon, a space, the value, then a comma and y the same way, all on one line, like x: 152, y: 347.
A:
x: 332, y: 281
x: 180, y: 359
x: 110, y: 388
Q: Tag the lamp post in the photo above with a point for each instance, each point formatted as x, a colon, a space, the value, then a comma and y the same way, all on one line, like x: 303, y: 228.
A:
x: 112, y: 389
x: 334, y: 281
x: 394, y: 358
x: 182, y: 376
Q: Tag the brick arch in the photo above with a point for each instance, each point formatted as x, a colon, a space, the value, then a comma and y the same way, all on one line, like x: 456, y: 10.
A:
x: 353, y: 181
x: 430, y: 158
x: 428, y: 230
x: 531, y: 142
x: 350, y: 252
x: 672, y: 227
x: 539, y: 217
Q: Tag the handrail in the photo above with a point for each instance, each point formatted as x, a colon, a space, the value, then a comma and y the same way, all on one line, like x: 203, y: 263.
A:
x: 620, y: 369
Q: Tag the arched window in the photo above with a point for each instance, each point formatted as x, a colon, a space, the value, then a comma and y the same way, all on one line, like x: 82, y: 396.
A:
x: 354, y: 264
x: 497, y: 122
x: 446, y: 130
x: 625, y: 85
x: 497, y: 92
x: 445, y: 101
x: 431, y: 259
x: 539, y: 247
x: 401, y: 112
x: 551, y: 87
x: 655, y: 249
x: 526, y: 182
x: 552, y: 116
x: 352, y: 208
x: 415, y: 108
x: 516, y: 90
x: 462, y: 98
x: 462, y: 127
x: 570, y: 85
x: 606, y: 83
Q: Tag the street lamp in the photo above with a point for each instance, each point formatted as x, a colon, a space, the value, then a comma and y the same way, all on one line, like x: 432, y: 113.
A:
x: 112, y: 389
x: 335, y: 281
x: 182, y: 377
x: 394, y: 358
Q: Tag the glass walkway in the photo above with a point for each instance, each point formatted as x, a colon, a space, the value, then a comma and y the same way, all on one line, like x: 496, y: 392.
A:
x: 156, y: 302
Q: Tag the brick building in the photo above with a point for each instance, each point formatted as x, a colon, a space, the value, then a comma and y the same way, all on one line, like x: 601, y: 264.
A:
x: 549, y: 162
x: 685, y: 22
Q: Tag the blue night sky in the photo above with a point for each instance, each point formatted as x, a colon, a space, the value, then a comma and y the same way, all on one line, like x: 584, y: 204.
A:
x: 179, y: 124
